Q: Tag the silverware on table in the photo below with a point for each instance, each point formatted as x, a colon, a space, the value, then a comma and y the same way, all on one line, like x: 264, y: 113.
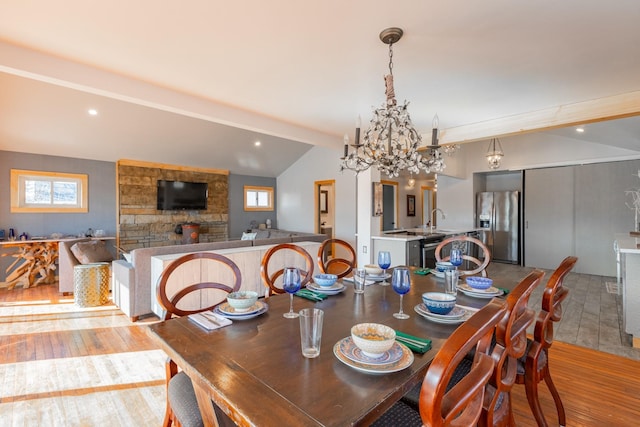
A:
x: 211, y: 318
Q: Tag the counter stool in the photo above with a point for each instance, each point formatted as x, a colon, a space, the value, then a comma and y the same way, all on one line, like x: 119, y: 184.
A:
x: 91, y: 284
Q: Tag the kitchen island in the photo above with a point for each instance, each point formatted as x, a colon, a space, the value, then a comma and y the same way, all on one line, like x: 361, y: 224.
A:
x: 628, y: 252
x: 414, y: 247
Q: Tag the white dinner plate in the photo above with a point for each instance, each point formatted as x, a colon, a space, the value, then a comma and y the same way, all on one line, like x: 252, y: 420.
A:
x: 353, y: 352
x: 378, y: 278
x: 456, y: 313
x: 429, y: 316
x: 439, y: 274
x: 243, y: 316
x: 334, y: 289
x: 479, y: 293
x: 231, y: 312
x: 405, y: 361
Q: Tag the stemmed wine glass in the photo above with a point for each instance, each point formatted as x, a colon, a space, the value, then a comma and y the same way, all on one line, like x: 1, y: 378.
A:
x: 291, y: 284
x: 384, y: 261
x: 401, y: 283
x: 455, y: 257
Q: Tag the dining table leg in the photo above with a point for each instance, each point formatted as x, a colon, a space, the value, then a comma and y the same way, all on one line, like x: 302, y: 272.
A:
x: 205, y: 404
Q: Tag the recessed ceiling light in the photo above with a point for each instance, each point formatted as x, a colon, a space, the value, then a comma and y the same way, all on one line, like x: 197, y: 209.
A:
x: 93, y: 112
x: 580, y: 130
x: 257, y: 143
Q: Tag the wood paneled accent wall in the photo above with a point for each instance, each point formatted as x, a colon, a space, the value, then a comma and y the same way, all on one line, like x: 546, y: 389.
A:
x: 140, y: 224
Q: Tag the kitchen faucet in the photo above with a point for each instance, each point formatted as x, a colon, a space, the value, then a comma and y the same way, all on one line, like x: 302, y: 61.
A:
x: 433, y: 218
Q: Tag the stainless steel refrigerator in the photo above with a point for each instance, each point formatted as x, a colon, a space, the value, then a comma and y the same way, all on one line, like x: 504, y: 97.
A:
x: 498, y: 218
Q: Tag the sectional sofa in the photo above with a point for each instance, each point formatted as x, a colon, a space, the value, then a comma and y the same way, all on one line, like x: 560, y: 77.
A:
x: 131, y: 277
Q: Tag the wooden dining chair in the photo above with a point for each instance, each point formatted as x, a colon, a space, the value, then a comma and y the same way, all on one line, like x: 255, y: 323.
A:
x: 336, y: 265
x: 444, y: 399
x: 509, y: 344
x: 179, y: 299
x: 291, y: 255
x: 533, y: 367
x: 463, y: 242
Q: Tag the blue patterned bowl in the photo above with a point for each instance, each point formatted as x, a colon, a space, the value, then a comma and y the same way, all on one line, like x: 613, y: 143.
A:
x: 325, y: 280
x: 479, y: 282
x: 442, y: 266
x: 439, y: 302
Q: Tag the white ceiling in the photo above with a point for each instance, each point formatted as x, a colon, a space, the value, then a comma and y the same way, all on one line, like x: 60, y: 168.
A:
x: 182, y: 82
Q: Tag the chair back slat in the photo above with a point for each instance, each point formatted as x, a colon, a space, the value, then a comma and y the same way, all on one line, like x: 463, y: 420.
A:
x: 480, y: 263
x: 192, y: 292
x: 510, y: 344
x: 336, y: 265
x: 283, y: 254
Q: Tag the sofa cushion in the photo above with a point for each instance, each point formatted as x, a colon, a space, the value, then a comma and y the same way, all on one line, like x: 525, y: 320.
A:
x: 248, y: 236
x: 262, y: 234
x: 91, y: 251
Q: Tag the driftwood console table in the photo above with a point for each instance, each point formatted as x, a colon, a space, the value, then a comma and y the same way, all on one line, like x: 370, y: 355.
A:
x: 35, y: 262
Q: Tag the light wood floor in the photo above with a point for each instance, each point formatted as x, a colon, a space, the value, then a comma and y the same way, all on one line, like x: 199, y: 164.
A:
x: 63, y: 366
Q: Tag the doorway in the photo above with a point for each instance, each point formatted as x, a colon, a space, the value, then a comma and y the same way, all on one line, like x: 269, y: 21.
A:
x: 325, y: 211
x: 428, y: 195
x: 389, y: 205
x: 325, y: 207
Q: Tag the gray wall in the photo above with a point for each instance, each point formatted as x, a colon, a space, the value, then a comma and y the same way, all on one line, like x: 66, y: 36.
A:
x: 102, y: 198
x: 239, y: 219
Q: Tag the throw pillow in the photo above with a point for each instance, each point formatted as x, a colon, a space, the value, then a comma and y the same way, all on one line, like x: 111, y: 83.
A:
x: 91, y: 251
x: 248, y: 236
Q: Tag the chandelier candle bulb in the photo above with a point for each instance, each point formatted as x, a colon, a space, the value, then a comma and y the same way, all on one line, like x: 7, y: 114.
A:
x: 434, y: 132
x: 346, y: 145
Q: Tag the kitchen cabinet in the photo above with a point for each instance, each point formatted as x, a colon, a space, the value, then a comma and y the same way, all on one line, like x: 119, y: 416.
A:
x: 548, y: 216
x: 629, y: 252
x: 403, y: 251
x: 575, y: 210
x: 413, y: 255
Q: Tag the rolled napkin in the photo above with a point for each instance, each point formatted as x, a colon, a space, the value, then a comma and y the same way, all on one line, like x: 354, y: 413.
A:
x: 310, y: 295
x: 423, y: 271
x: 209, y: 320
x: 415, y: 344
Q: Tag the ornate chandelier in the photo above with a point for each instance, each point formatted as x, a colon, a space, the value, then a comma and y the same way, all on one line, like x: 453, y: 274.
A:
x: 391, y: 143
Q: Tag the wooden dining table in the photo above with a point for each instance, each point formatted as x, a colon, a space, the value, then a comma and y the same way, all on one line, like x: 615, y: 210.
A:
x: 254, y: 371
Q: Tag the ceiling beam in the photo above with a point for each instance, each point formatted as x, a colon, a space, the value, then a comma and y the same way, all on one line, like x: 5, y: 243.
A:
x: 609, y: 108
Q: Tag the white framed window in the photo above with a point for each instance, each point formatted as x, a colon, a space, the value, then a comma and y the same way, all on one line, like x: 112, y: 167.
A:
x: 37, y: 191
x: 258, y: 198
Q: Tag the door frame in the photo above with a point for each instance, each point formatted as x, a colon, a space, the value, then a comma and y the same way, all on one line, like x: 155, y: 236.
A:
x: 331, y: 202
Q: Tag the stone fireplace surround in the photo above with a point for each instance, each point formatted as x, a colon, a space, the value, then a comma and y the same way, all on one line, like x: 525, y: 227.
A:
x: 142, y: 225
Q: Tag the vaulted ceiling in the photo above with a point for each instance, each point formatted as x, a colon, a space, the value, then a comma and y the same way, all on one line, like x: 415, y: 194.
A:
x: 198, y: 82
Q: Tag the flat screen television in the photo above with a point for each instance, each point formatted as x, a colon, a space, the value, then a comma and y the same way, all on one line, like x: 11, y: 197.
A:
x: 180, y: 195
